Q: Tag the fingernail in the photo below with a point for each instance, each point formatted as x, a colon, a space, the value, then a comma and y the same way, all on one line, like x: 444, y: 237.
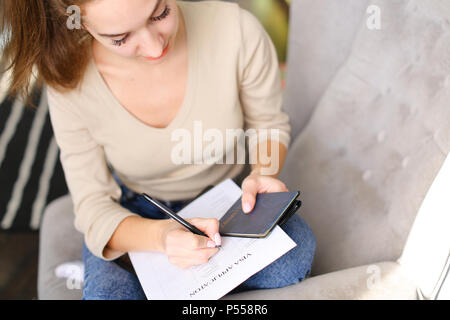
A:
x: 218, y: 239
x: 247, y: 207
x: 211, y: 244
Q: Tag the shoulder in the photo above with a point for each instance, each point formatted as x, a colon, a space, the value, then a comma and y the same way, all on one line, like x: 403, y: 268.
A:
x: 216, y: 8
x: 218, y: 12
x: 57, y: 98
x: 211, y: 17
x: 88, y: 92
x: 221, y: 22
x: 249, y: 24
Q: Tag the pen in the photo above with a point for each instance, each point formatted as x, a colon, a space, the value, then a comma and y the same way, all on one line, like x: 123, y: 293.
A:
x: 174, y: 216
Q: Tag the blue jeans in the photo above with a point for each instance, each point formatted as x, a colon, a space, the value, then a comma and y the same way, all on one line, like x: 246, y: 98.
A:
x: 106, y: 280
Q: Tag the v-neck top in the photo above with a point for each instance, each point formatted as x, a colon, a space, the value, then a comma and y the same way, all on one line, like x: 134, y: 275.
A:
x: 233, y: 85
x: 189, y: 90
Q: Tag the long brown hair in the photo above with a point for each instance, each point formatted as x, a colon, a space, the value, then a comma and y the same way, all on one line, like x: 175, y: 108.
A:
x: 37, y: 43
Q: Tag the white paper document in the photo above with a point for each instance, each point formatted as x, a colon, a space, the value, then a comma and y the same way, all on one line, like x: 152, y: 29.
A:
x: 236, y: 261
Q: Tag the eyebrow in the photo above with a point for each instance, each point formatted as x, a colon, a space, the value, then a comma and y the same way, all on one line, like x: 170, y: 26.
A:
x: 121, y: 34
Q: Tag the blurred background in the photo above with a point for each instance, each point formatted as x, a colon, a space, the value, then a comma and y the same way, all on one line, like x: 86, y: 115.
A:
x: 31, y: 175
x: 274, y: 15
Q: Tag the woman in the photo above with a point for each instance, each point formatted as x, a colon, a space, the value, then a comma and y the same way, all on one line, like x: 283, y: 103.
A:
x: 123, y: 79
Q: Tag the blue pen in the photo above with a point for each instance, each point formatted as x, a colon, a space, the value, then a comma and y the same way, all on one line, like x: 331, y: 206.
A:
x: 174, y: 216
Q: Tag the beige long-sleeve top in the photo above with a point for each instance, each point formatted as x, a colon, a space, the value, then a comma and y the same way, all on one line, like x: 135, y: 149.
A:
x: 233, y: 83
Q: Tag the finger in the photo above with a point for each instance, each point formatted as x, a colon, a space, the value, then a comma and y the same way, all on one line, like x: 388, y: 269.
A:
x: 283, y: 187
x: 210, y: 226
x: 195, y: 242
x: 249, y: 193
x: 200, y: 242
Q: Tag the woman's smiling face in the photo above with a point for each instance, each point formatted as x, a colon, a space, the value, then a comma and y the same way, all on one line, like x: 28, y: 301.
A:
x: 141, y: 29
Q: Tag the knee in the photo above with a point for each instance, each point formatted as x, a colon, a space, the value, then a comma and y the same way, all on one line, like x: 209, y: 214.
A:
x: 118, y: 285
x: 106, y: 280
x: 300, y: 232
x: 305, y: 239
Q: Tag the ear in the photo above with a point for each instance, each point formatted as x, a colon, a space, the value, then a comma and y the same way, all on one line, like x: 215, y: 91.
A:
x: 83, y: 26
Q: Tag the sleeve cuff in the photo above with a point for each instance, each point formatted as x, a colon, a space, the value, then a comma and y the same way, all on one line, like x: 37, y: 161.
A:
x: 98, y: 242
x: 283, y: 137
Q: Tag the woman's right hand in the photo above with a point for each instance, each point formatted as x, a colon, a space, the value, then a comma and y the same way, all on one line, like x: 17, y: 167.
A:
x: 184, y: 248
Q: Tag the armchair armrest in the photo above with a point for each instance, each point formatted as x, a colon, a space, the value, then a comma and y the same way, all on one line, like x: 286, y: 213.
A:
x: 383, y: 280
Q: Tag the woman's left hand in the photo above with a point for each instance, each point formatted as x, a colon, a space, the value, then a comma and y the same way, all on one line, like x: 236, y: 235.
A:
x: 256, y: 183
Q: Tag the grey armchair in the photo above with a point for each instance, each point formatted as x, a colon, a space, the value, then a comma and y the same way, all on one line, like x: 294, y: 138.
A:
x: 369, y: 114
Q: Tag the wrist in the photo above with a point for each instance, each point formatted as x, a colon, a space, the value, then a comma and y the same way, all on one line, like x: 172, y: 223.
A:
x: 257, y: 171
x: 136, y: 233
x: 157, y: 232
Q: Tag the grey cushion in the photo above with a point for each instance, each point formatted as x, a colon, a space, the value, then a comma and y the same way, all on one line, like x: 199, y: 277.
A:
x: 320, y: 40
x: 384, y: 280
x: 377, y: 138
x: 59, y: 243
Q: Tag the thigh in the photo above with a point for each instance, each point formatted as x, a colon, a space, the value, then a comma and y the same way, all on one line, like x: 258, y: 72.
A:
x: 137, y: 204
x: 105, y: 280
x: 290, y: 268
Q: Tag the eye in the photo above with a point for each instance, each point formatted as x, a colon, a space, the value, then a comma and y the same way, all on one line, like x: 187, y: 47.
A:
x: 120, y: 42
x: 164, y: 14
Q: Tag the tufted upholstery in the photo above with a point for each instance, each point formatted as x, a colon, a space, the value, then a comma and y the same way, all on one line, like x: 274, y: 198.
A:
x: 377, y: 138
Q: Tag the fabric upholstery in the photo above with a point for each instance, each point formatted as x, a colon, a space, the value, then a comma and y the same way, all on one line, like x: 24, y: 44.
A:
x: 383, y: 280
x: 377, y: 138
x: 371, y: 110
x: 59, y: 243
x: 320, y: 41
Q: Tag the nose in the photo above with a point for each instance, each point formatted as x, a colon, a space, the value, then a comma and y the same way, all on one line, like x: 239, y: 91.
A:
x: 151, y: 44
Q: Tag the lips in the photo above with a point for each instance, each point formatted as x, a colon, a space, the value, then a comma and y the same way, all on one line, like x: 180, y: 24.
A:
x: 162, y: 55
